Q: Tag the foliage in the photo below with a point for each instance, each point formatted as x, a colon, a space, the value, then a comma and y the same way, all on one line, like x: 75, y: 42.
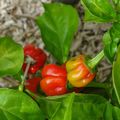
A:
x: 78, y: 107
x: 15, y: 105
x: 58, y: 25
x: 11, y: 56
x: 111, y: 38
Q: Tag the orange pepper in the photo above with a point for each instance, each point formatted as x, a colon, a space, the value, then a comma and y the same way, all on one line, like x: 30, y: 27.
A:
x: 78, y: 73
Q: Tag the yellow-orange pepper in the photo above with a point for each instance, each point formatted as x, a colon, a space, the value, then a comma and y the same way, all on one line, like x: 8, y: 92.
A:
x: 78, y: 73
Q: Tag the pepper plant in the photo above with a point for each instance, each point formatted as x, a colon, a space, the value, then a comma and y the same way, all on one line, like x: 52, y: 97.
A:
x: 57, y: 101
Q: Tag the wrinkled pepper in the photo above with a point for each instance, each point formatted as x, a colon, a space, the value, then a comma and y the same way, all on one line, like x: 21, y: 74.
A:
x: 79, y: 74
x: 38, y: 55
x: 81, y: 70
x: 54, y: 80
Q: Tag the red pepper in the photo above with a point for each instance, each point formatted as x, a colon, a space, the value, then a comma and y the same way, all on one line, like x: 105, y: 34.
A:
x: 54, y: 80
x: 33, y: 84
x: 37, y: 55
x: 54, y: 70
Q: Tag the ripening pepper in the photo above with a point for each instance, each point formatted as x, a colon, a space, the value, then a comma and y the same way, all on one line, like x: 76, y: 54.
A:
x: 38, y: 55
x: 54, y: 80
x: 80, y: 70
x: 78, y: 73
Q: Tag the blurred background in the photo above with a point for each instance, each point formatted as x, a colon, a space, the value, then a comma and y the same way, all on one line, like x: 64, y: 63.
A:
x: 17, y: 20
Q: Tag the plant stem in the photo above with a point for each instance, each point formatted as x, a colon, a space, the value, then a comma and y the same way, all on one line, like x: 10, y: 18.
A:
x: 93, y: 62
x: 21, y: 86
x: 30, y: 93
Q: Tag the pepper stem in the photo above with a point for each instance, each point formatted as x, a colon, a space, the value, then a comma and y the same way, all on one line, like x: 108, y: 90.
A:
x: 94, y: 61
x: 21, y: 86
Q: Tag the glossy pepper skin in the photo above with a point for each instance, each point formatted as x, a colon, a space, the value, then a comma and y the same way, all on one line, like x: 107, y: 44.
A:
x: 54, y: 80
x: 32, y: 84
x: 37, y: 54
x: 54, y: 70
x: 78, y: 74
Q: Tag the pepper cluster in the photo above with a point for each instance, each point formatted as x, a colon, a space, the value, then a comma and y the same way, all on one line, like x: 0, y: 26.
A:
x: 38, y: 59
x: 55, y: 79
x: 75, y: 72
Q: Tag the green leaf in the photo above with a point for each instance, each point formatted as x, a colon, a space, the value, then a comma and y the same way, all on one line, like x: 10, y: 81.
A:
x: 115, y: 30
x: 78, y: 107
x: 15, y: 105
x: 116, y: 113
x: 58, y: 25
x: 116, y: 75
x: 99, y: 10
x: 111, y: 41
x: 65, y: 106
x: 114, y: 100
x: 11, y: 56
x: 109, y: 47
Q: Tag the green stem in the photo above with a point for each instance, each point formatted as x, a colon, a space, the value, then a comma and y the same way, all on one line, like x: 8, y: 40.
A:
x: 93, y: 62
x: 21, y: 86
x: 30, y: 93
